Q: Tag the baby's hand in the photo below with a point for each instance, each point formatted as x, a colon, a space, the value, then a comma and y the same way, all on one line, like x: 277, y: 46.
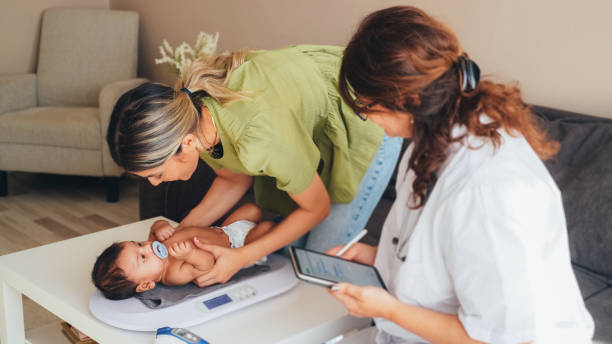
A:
x: 162, y: 230
x: 180, y: 250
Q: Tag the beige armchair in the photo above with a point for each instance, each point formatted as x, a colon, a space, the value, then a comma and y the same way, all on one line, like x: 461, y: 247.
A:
x: 55, y: 121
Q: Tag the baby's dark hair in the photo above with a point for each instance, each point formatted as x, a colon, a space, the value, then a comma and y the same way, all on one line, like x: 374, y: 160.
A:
x: 109, y: 278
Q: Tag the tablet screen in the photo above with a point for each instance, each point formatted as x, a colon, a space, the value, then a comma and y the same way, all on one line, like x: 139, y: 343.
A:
x: 335, y: 269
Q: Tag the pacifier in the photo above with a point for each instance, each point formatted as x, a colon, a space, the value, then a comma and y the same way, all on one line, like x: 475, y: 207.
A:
x: 159, y: 249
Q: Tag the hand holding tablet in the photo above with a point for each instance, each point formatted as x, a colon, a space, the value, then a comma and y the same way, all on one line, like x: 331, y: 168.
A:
x: 326, y: 270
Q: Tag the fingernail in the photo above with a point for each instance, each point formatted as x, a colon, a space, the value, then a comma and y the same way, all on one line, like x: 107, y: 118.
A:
x: 335, y: 287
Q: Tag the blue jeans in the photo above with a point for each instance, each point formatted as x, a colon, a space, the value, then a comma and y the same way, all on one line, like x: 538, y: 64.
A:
x: 346, y: 220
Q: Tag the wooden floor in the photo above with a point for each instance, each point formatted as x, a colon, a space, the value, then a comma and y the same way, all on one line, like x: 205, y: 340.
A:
x: 42, y: 208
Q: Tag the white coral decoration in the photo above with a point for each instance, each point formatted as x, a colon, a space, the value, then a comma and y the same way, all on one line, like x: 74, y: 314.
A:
x: 184, y: 54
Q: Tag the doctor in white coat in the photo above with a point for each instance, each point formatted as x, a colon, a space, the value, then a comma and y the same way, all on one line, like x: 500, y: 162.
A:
x: 475, y: 246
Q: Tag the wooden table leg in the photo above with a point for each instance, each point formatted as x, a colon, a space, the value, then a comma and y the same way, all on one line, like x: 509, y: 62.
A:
x: 11, y: 315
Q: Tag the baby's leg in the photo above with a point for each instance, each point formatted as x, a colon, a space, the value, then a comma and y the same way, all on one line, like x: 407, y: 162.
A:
x: 248, y: 211
x: 258, y: 231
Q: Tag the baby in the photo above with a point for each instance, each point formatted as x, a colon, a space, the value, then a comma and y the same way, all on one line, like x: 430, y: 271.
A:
x: 130, y: 267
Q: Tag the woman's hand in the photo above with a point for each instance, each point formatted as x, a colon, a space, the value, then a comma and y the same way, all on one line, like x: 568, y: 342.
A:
x: 375, y: 302
x: 361, y: 253
x: 228, y: 261
x: 364, y: 301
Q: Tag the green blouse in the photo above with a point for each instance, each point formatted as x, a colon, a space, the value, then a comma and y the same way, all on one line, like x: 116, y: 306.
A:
x: 294, y: 125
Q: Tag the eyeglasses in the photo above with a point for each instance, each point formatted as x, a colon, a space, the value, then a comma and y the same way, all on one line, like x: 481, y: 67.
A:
x: 366, y: 107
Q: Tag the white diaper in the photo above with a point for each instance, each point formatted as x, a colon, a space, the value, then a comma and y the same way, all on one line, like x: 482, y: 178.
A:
x: 237, y: 232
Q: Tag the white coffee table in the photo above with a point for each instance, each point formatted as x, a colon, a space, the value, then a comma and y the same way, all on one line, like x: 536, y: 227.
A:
x: 57, y: 276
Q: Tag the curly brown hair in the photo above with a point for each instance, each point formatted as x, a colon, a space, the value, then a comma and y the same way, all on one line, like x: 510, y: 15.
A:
x: 407, y: 61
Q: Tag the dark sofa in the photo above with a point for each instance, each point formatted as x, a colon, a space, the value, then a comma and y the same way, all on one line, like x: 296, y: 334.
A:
x: 582, y: 170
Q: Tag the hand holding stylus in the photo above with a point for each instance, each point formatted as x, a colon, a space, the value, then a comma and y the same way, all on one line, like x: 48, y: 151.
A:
x: 352, y: 242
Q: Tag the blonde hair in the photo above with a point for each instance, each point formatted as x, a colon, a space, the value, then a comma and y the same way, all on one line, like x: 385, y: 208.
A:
x: 211, y: 74
x: 150, y: 121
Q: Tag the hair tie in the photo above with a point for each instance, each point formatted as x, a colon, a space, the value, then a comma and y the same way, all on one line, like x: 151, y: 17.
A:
x: 196, y: 102
x: 470, y: 72
x: 184, y: 89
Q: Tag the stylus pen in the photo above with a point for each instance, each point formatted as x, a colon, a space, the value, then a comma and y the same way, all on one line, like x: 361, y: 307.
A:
x: 352, y: 242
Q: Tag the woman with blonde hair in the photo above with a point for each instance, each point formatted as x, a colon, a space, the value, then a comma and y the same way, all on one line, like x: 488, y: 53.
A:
x: 475, y: 246
x: 273, y: 120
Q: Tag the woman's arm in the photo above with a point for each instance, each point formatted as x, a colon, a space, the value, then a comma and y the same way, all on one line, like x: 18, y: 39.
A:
x: 435, y: 327
x: 314, y: 205
x: 226, y: 190
x: 432, y: 326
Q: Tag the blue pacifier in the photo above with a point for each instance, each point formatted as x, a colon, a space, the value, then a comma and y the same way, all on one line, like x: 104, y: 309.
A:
x: 159, y: 249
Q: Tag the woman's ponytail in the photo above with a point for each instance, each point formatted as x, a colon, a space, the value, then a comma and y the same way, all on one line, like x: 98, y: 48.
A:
x: 210, y: 74
x: 149, y: 122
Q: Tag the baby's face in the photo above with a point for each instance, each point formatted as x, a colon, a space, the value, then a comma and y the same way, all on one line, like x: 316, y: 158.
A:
x: 139, y: 262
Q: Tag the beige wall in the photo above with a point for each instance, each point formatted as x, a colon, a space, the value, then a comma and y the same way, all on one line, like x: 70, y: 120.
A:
x: 257, y: 24
x: 559, y: 50
x: 20, y: 30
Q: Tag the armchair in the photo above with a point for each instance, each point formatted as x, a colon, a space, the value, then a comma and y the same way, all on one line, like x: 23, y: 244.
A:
x: 55, y: 121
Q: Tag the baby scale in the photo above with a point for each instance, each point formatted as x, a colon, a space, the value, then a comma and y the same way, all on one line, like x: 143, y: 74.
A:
x: 132, y: 314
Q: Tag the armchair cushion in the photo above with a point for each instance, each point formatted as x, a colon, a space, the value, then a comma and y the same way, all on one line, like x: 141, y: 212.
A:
x: 50, y: 159
x: 75, y: 61
x: 75, y: 127
x: 17, y: 92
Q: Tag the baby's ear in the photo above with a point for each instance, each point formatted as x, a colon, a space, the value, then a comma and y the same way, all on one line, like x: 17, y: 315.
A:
x: 144, y: 286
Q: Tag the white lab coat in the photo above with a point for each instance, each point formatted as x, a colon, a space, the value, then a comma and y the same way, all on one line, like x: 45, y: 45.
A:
x: 489, y: 245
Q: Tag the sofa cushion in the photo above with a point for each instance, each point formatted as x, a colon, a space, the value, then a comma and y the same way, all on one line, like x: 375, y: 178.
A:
x: 583, y: 172
x: 76, y: 127
x: 600, y: 307
x: 589, y: 283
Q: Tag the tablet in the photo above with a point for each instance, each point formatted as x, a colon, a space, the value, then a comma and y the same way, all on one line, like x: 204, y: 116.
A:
x: 325, y: 270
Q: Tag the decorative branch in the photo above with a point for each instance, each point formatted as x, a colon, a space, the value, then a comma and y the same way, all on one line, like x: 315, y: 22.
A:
x: 179, y: 58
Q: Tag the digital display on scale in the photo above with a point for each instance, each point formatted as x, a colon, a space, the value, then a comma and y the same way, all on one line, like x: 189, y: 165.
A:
x: 217, y: 301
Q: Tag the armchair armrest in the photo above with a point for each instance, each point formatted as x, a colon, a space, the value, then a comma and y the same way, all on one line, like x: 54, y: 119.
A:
x: 17, y: 92
x: 108, y: 97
